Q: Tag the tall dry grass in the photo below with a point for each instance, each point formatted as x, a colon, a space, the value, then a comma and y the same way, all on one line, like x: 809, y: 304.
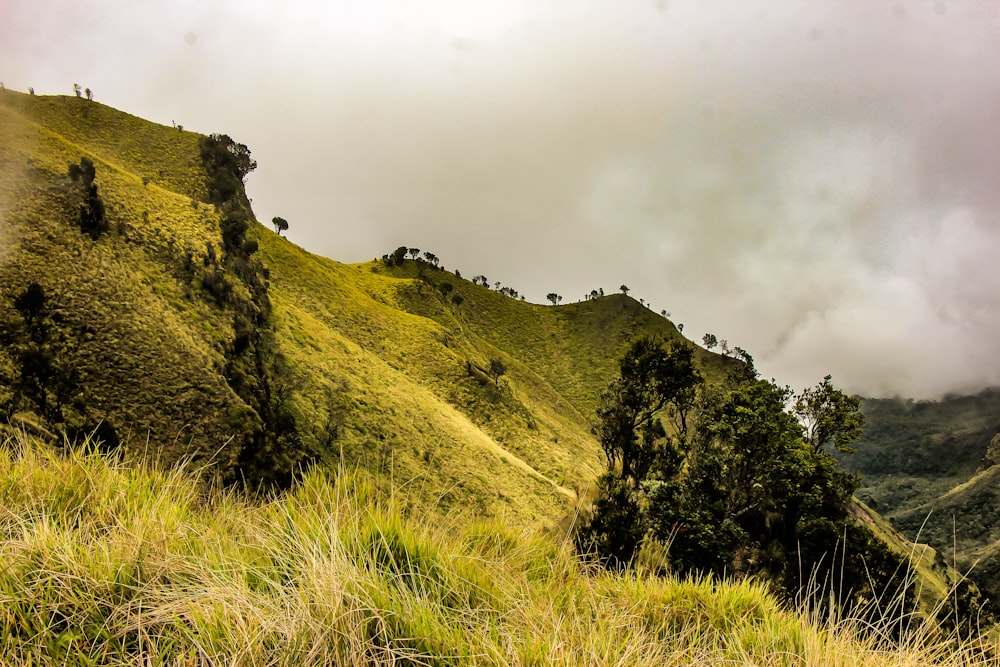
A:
x: 114, y: 564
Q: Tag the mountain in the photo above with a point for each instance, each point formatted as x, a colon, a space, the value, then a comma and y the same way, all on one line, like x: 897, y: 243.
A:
x: 142, y: 303
x: 930, y: 468
x: 182, y: 323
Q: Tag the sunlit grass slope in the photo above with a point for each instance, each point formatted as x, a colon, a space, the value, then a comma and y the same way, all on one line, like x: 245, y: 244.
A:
x: 386, y: 371
x: 112, y: 564
x: 146, y: 355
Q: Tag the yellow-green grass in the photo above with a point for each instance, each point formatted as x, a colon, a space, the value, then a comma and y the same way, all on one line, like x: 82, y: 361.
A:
x: 165, y: 156
x: 386, y: 372
x: 144, y: 352
x: 403, y: 386
x: 106, y: 563
x: 934, y: 580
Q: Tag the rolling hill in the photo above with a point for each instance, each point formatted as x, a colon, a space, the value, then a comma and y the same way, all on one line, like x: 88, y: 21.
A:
x: 375, y: 364
x: 929, y: 467
x: 186, y: 331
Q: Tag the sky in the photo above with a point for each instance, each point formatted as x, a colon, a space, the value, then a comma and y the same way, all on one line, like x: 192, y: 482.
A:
x: 816, y: 181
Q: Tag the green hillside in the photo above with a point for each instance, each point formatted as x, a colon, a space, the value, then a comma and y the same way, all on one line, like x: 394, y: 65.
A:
x: 111, y: 564
x: 376, y: 364
x: 928, y: 467
x: 144, y: 309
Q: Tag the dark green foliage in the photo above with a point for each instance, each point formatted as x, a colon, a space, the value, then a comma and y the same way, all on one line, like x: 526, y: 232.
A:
x: 280, y: 224
x: 227, y: 164
x: 103, y: 436
x: 650, y: 379
x: 30, y: 302
x: 830, y: 416
x: 497, y: 368
x: 398, y: 256
x: 735, y: 488
x: 92, y: 218
x: 214, y: 280
x: 616, y: 528
x: 272, y: 452
x: 44, y: 381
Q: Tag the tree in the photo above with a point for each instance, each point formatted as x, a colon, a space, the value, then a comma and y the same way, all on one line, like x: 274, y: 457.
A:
x: 414, y: 252
x: 497, y: 368
x: 398, y: 255
x: 90, y: 94
x: 737, y: 488
x: 710, y: 341
x: 624, y: 289
x: 92, y: 220
x: 829, y: 416
x: 280, y: 224
x: 553, y: 297
x: 650, y: 379
x: 227, y: 164
x: 77, y: 89
x: 30, y: 303
x: 431, y: 258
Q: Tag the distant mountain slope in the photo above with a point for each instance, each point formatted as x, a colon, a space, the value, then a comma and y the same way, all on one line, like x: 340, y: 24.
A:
x: 926, y: 466
x: 384, y: 367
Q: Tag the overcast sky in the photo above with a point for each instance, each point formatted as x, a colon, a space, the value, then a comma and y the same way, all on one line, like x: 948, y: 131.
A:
x: 816, y: 181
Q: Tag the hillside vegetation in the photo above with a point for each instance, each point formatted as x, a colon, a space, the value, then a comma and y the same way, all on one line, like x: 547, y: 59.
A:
x: 112, y: 564
x: 929, y: 467
x: 373, y: 364
x: 145, y: 311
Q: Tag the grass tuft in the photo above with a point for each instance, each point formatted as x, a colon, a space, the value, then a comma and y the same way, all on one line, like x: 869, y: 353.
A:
x: 107, y: 563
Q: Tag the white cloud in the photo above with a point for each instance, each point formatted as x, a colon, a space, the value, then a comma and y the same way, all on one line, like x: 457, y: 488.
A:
x: 813, y: 180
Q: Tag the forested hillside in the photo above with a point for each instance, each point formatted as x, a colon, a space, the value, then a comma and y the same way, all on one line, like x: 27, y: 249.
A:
x: 930, y: 467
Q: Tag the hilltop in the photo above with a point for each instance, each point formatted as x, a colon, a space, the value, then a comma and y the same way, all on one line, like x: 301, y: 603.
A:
x: 370, y: 364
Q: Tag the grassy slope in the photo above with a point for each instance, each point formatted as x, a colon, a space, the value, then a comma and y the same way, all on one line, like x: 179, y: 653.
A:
x: 915, y: 450
x: 386, y: 368
x: 389, y: 373
x: 965, y: 524
x: 119, y: 565
x: 123, y: 311
x: 919, y: 465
